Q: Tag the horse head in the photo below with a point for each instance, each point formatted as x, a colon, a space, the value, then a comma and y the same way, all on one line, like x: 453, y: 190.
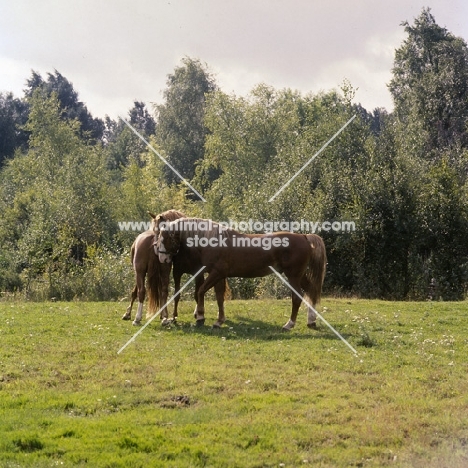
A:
x: 155, y: 221
x: 168, y: 244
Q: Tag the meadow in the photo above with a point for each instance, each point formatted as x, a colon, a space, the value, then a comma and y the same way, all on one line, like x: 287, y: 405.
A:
x: 248, y: 395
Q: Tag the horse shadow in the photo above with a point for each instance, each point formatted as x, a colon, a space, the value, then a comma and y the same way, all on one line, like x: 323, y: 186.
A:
x: 244, y: 327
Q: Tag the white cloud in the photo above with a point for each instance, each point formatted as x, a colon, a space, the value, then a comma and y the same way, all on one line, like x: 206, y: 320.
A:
x: 14, y: 72
x: 117, y: 52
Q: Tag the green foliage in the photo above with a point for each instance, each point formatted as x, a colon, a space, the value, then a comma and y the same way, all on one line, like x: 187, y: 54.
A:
x: 430, y: 90
x: 13, y: 115
x: 123, y: 146
x: 430, y: 83
x: 91, y: 129
x: 9, y: 277
x: 400, y: 177
x: 55, y: 196
x: 101, y: 276
x: 181, y: 131
x: 445, y: 223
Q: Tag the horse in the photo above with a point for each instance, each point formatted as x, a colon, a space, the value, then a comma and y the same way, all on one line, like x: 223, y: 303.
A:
x: 143, y: 255
x: 228, y: 253
x: 147, y: 267
x: 188, y: 261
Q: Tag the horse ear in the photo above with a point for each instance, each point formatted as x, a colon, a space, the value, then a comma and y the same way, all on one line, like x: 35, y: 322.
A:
x: 152, y: 215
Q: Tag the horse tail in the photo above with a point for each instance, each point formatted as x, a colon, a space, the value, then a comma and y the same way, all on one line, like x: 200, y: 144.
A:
x: 315, y: 272
x: 154, y: 286
x: 132, y: 252
x: 227, y: 291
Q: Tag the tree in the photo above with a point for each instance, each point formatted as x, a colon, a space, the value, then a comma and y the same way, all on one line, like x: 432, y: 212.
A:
x: 385, y: 255
x: 13, y: 116
x: 430, y: 84
x: 241, y: 142
x: 54, y: 198
x: 123, y: 146
x: 444, y: 223
x: 141, y: 119
x: 181, y: 131
x: 72, y: 108
x: 430, y: 136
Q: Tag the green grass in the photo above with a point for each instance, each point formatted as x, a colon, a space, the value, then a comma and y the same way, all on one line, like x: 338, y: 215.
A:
x: 247, y: 395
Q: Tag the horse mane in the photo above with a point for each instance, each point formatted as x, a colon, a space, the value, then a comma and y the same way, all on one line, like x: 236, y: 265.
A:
x: 190, y: 227
x: 155, y: 268
x: 165, y: 216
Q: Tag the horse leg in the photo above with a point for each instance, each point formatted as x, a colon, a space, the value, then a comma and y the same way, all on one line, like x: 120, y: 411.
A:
x: 141, y: 297
x: 220, y: 289
x: 128, y: 314
x: 199, y: 313
x: 177, y: 278
x: 296, y: 303
x: 165, y: 280
x: 311, y: 315
x: 199, y: 317
x: 177, y: 275
x: 311, y: 318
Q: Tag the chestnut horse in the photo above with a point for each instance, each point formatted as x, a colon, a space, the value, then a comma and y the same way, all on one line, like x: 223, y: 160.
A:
x: 228, y: 253
x: 189, y: 261
x: 148, y: 269
x: 146, y: 265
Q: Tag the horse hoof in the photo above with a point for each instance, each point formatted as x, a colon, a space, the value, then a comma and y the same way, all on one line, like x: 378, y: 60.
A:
x: 216, y: 326
x: 165, y: 321
x: 126, y: 317
x: 285, y: 329
x: 136, y: 324
x: 200, y: 322
x: 312, y: 326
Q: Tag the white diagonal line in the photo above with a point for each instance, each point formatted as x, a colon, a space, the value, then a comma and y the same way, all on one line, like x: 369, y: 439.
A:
x: 160, y: 310
x: 312, y: 158
x: 308, y: 305
x: 164, y: 160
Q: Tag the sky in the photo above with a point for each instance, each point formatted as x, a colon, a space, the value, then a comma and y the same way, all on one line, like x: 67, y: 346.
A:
x: 116, y: 52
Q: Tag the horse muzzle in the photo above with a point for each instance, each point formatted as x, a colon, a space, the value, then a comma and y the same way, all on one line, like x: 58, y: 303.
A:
x: 164, y: 257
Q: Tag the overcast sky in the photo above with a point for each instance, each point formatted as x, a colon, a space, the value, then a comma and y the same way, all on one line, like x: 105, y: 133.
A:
x: 115, y: 52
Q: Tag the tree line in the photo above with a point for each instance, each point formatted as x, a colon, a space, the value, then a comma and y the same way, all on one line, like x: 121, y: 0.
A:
x: 67, y: 178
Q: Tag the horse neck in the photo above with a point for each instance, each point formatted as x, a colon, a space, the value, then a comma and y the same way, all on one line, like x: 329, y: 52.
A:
x: 172, y: 215
x: 185, y: 228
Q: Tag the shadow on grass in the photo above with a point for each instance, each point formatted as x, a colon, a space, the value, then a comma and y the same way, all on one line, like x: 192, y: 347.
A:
x: 248, y: 328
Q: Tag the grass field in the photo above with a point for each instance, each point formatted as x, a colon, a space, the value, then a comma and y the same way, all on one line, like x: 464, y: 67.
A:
x: 247, y: 395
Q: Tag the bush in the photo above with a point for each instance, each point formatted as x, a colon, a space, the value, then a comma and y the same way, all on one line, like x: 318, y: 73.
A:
x: 9, y: 279
x: 103, y: 276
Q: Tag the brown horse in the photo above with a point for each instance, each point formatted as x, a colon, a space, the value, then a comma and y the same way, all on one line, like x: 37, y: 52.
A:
x: 189, y: 261
x: 149, y: 269
x: 227, y: 253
